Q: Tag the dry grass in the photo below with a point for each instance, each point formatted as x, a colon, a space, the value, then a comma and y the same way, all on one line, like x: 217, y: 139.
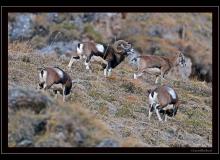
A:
x: 20, y: 47
x: 129, y: 111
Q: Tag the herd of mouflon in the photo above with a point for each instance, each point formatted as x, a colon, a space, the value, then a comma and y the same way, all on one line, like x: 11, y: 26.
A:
x: 163, y: 100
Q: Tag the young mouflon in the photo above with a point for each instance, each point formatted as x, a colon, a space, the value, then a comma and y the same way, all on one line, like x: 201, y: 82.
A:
x: 158, y: 65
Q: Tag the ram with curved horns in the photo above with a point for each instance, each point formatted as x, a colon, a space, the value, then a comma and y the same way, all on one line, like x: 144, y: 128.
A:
x: 110, y: 55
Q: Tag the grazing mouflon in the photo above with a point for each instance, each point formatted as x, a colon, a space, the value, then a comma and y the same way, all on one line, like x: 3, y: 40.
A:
x: 50, y: 76
x: 163, y: 99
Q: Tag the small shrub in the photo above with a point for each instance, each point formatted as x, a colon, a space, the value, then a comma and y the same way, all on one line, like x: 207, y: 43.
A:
x: 89, y: 30
x: 26, y: 59
x: 124, y: 111
x: 69, y: 26
x: 131, y: 88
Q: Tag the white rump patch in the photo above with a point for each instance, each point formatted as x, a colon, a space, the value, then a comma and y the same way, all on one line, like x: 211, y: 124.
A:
x: 100, y: 48
x: 80, y: 48
x: 59, y: 72
x: 171, y: 92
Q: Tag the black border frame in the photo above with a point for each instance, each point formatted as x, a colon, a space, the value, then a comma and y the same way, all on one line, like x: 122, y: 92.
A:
x: 4, y: 112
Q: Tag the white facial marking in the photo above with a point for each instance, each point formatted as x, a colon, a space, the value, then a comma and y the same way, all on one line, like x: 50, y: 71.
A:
x: 100, y: 48
x: 153, y: 99
x: 171, y: 92
x: 59, y: 72
x: 80, y: 48
x: 43, y: 77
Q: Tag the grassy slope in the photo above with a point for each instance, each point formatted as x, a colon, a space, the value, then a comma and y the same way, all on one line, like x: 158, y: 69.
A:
x: 121, y: 104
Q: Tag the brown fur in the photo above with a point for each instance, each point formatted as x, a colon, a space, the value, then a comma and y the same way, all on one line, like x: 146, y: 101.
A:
x: 89, y: 47
x: 164, y: 64
x: 165, y: 98
x: 112, y: 56
x: 53, y: 77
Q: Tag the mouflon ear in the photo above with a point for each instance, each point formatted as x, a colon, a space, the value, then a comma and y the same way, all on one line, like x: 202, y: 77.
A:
x: 182, y: 59
x: 180, y: 54
x: 40, y: 68
x: 149, y: 91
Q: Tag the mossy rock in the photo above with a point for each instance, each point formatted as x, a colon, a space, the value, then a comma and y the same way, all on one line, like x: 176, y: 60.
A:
x: 29, y: 99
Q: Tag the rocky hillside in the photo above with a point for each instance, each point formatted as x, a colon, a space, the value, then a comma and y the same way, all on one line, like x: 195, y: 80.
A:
x: 101, y: 109
x: 105, y: 112
x: 150, y: 33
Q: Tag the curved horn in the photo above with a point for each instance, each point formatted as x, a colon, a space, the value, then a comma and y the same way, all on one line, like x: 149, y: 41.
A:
x: 120, y: 45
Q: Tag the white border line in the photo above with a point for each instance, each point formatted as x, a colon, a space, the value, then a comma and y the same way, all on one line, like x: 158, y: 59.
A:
x: 218, y: 77
x: 116, y: 6
x: 1, y: 80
